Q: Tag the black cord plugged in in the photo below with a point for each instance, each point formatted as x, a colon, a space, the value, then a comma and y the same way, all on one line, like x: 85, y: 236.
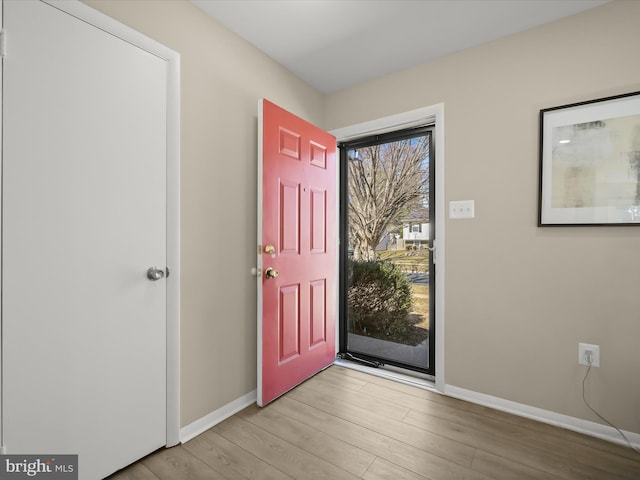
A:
x: 584, y: 399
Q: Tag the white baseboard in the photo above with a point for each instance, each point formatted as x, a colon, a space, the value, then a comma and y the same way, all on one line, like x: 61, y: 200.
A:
x: 587, y: 427
x: 205, y: 423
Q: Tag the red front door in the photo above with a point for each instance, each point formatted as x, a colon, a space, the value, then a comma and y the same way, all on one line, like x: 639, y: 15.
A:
x: 297, y: 254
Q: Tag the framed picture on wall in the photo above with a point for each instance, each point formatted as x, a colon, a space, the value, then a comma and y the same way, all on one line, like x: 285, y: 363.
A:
x: 590, y: 163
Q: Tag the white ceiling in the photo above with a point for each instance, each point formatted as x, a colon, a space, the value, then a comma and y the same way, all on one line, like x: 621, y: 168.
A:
x: 334, y: 44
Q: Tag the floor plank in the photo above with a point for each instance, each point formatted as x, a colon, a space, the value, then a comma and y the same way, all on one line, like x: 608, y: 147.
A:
x: 335, y: 403
x: 311, y: 440
x: 179, y: 464
x: 137, y: 471
x: 383, y: 470
x: 344, y: 424
x: 593, y: 456
x: 395, y: 451
x: 497, y: 467
x: 232, y: 461
x: 277, y: 452
x: 356, y: 397
x: 565, y: 460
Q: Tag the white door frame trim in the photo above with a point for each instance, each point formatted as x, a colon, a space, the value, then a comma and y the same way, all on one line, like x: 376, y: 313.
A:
x: 422, y: 116
x: 113, y: 27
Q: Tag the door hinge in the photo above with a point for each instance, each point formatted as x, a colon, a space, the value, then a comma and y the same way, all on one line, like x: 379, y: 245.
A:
x: 3, y: 43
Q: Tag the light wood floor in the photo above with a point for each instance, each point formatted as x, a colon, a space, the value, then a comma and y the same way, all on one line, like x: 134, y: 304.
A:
x: 344, y: 424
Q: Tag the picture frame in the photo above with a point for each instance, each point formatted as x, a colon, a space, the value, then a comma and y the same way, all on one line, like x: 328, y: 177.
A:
x: 589, y: 171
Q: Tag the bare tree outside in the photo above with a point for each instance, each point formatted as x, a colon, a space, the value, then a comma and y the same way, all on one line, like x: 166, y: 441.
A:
x: 385, y: 182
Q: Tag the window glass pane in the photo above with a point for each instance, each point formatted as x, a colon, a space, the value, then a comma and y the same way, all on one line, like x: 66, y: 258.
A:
x: 387, y: 292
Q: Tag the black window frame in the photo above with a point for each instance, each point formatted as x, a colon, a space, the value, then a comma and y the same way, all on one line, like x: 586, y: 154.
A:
x: 344, y: 147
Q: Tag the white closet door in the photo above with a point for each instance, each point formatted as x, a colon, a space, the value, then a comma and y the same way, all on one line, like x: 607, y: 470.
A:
x: 83, y: 218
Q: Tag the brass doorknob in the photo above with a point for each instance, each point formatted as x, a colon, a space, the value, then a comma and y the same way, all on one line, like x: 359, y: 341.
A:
x: 269, y: 249
x: 270, y: 273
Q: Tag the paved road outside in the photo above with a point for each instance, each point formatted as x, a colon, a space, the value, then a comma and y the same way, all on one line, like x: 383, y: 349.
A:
x: 418, y: 278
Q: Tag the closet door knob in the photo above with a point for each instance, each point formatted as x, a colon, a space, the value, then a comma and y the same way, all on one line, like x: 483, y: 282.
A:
x: 155, y: 273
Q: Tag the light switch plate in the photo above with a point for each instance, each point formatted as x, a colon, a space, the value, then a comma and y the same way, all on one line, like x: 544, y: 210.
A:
x: 462, y: 209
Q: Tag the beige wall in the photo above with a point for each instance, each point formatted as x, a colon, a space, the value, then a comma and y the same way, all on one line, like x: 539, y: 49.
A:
x: 519, y: 298
x: 222, y: 79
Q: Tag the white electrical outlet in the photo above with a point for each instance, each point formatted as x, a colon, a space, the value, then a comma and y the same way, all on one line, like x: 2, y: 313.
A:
x: 586, y: 351
x: 462, y: 209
